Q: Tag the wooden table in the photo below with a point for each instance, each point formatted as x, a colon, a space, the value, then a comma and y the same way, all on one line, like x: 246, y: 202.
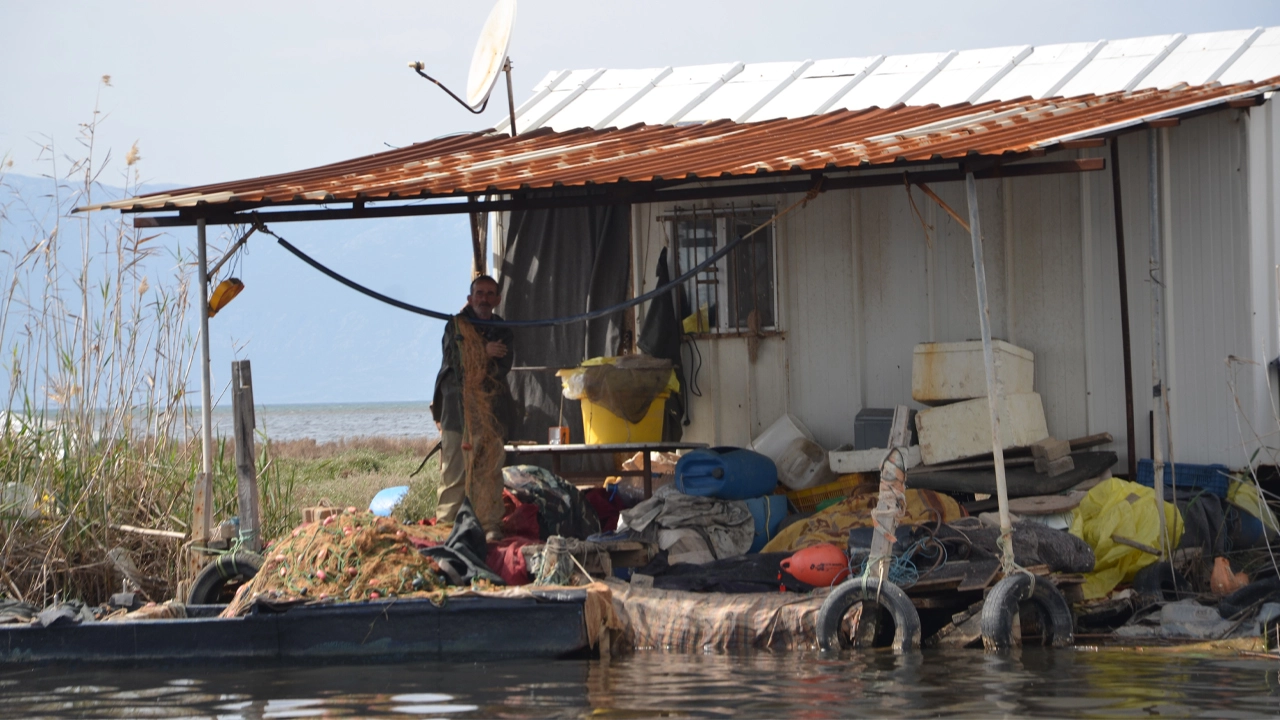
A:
x: 559, y: 451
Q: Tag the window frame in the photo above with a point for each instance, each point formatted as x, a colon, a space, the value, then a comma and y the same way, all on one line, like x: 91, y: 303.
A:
x: 726, y: 292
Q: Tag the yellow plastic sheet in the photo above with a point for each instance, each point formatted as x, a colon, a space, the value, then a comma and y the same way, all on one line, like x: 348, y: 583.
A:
x: 1244, y: 495
x: 1113, y: 512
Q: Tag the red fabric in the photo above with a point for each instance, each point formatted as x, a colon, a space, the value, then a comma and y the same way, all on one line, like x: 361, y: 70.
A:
x: 506, y: 559
x: 606, y: 510
x: 519, y: 519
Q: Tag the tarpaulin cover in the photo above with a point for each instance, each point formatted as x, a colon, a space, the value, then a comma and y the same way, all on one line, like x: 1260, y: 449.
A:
x: 558, y: 263
x: 698, y: 622
x: 1120, y: 509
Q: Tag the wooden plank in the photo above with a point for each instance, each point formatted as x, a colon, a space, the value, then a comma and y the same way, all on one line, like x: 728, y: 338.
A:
x: 246, y: 466
x: 979, y: 575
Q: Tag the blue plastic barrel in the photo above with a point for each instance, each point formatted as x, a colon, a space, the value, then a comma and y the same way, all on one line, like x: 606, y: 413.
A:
x: 769, y: 512
x: 727, y: 473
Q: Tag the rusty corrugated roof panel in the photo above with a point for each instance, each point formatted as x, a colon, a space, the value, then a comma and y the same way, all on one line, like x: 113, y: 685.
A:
x: 486, y: 163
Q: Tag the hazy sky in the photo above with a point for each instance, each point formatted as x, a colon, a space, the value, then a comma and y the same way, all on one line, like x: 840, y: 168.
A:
x: 222, y: 90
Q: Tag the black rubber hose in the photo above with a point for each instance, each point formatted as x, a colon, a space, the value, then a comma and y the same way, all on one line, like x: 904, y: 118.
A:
x: 869, y: 591
x: 569, y: 320
x: 208, y: 585
x: 1002, y: 606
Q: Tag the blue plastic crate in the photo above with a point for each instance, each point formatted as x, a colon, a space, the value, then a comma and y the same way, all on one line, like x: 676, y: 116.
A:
x: 1210, y: 478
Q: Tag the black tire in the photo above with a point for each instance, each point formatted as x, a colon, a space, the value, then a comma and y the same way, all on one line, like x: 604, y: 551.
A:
x: 1007, y: 598
x: 870, y: 591
x: 216, y: 582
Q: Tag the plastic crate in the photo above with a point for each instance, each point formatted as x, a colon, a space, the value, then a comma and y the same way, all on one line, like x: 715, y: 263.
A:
x: 1210, y: 478
x: 807, y: 500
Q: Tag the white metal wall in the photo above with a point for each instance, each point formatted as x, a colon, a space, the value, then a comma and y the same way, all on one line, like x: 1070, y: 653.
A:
x: 861, y: 282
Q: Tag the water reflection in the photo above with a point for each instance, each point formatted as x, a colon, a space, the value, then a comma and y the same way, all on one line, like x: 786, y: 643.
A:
x: 1031, y: 683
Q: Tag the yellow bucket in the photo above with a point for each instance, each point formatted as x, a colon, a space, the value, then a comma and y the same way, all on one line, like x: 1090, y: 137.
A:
x: 601, y: 427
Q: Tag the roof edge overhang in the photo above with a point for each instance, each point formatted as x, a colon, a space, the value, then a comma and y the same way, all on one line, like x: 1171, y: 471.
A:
x: 221, y: 208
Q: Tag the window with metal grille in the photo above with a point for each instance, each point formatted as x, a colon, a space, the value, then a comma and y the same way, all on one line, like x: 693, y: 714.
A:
x: 736, y: 293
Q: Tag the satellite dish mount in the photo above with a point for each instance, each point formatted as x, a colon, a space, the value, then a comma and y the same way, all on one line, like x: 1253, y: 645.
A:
x: 489, y: 60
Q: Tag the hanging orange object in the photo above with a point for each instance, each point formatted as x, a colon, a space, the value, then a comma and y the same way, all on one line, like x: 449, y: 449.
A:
x: 820, y: 565
x: 223, y: 294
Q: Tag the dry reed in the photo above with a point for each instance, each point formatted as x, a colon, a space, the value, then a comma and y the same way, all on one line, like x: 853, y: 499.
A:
x: 94, y: 319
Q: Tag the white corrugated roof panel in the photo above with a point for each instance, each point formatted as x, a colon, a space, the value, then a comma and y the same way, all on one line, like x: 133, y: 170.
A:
x: 764, y: 91
x: 819, y: 85
x: 1261, y: 59
x: 1196, y: 60
x: 1119, y: 64
x: 968, y: 75
x: 745, y: 91
x: 897, y: 77
x: 612, y: 92
x: 674, y: 95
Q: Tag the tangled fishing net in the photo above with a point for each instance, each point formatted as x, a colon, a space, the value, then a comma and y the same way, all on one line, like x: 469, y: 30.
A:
x: 346, y: 558
x: 483, y: 431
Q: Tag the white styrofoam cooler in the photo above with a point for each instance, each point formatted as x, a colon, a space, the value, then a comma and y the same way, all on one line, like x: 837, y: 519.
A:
x: 948, y: 372
x: 963, y: 429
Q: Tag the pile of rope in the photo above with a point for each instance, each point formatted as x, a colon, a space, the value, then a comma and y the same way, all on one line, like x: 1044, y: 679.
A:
x: 345, y: 558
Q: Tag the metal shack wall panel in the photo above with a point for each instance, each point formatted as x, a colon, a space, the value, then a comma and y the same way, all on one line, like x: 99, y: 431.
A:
x: 1047, y: 294
x: 1264, y: 234
x: 818, y: 313
x: 1210, y: 304
x: 1104, y: 354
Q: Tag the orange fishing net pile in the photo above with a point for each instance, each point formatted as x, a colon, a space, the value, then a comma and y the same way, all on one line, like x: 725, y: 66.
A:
x: 482, y: 431
x: 346, y: 558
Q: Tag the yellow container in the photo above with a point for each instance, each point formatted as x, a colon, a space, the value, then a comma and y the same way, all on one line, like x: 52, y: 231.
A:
x: 602, y: 427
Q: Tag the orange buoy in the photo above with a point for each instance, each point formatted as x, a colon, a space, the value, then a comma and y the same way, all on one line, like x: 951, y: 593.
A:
x: 820, y: 565
x: 223, y: 294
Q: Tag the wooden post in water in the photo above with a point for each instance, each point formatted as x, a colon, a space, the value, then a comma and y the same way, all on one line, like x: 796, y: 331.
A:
x: 202, y: 502
x: 246, y: 467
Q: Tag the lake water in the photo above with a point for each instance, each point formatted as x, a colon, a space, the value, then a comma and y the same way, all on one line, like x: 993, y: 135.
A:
x: 1081, y: 682
x: 333, y: 421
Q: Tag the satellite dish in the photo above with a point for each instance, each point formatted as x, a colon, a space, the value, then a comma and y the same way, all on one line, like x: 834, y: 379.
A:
x: 489, y: 61
x: 491, y: 53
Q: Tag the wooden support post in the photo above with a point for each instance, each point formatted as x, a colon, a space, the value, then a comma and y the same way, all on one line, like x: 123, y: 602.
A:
x: 202, y: 503
x: 994, y: 391
x: 246, y: 466
x: 479, y: 239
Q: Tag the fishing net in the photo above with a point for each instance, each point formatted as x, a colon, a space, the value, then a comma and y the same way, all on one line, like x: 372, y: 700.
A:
x: 346, y: 558
x: 624, y: 386
x: 483, y: 431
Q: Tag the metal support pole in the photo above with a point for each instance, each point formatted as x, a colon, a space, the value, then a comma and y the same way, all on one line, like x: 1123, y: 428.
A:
x: 1154, y: 276
x: 1124, y: 310
x: 994, y: 395
x: 511, y: 98
x: 202, y: 525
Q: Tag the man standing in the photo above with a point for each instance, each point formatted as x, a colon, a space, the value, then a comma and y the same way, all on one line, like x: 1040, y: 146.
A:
x: 485, y: 493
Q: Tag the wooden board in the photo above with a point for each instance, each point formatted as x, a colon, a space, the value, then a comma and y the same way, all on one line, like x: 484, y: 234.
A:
x: 1022, y: 481
x: 1045, y: 504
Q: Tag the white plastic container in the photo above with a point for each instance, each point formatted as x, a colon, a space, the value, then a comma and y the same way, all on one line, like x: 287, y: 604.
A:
x: 802, y: 462
x: 963, y: 429
x: 948, y: 372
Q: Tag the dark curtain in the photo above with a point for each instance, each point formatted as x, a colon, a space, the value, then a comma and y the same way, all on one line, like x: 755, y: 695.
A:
x: 660, y: 338
x: 557, y: 263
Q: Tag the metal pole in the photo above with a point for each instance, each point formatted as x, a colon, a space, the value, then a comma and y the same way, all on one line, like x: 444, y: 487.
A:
x: 1124, y: 309
x: 1154, y: 276
x: 993, y: 386
x: 203, y: 510
x: 511, y: 98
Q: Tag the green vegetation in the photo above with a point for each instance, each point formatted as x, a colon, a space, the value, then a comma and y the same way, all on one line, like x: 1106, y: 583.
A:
x: 98, y: 444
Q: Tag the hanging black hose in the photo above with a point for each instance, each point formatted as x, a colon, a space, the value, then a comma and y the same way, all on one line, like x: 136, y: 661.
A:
x: 569, y: 320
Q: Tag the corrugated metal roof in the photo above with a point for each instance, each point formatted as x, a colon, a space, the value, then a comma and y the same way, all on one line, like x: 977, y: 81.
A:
x: 488, y: 163
x: 601, y: 98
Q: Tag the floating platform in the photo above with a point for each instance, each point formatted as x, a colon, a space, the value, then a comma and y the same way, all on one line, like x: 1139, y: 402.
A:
x: 541, y: 624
